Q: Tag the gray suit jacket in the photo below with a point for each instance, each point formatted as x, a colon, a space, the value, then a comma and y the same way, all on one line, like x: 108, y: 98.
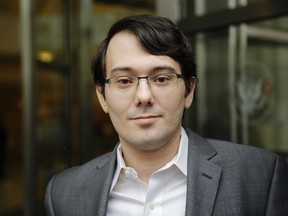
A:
x: 223, y: 179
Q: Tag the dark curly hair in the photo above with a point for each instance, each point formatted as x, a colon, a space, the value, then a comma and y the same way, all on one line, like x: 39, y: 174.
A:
x: 157, y: 36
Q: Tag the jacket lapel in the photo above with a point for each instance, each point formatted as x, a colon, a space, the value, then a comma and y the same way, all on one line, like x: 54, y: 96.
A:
x: 203, y: 177
x: 202, y: 180
x: 97, y: 186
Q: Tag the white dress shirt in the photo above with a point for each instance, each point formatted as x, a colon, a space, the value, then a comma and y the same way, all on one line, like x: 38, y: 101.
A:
x: 165, y: 195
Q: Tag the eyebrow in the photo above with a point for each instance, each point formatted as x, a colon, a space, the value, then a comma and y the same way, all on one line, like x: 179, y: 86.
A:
x: 119, y: 69
x: 154, y: 69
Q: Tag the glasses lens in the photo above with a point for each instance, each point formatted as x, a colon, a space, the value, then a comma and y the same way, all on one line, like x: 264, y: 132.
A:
x: 163, y: 82
x: 123, y: 83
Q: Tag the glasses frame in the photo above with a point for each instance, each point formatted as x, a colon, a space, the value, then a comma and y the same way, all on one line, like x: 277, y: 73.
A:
x: 178, y: 76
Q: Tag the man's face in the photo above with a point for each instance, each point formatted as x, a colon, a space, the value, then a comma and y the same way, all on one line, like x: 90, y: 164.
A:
x: 145, y: 119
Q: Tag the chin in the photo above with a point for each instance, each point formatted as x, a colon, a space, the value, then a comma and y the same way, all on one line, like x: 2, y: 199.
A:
x: 150, y: 144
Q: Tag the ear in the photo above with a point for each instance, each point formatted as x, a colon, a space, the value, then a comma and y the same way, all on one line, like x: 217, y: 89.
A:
x: 190, y: 96
x: 101, y: 98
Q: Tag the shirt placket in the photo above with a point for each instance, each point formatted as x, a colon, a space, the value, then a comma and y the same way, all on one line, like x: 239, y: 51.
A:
x: 154, y: 197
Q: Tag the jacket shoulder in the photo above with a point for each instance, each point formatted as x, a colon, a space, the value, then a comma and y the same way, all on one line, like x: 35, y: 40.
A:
x: 226, y: 152
x: 257, y: 174
x: 242, y: 152
x: 67, y: 192
x: 246, y: 162
x: 77, y: 175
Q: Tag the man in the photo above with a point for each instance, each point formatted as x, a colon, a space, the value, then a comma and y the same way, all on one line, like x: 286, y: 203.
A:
x: 145, y: 78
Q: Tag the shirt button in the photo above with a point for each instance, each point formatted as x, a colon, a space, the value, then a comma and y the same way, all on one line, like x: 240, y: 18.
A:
x: 151, y: 205
x: 127, y: 172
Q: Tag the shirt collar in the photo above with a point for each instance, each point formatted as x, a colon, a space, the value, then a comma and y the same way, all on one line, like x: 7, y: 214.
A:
x: 180, y: 160
x: 182, y: 156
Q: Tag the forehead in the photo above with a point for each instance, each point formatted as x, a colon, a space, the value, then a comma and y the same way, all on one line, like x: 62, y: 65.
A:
x: 125, y: 52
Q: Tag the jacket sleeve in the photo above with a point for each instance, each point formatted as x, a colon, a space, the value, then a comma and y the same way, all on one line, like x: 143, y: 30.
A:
x: 48, y: 198
x: 277, y: 203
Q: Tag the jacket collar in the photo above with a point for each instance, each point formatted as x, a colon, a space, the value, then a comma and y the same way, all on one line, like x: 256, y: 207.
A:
x: 97, y: 185
x: 203, y: 176
x: 202, y: 179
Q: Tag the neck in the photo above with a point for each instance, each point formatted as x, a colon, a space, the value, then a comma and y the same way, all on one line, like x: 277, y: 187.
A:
x: 146, y: 162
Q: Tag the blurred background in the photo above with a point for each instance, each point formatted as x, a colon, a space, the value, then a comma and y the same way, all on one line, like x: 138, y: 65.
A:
x: 50, y: 118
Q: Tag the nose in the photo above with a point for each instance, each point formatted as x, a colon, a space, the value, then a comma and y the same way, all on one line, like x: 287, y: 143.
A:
x: 143, y: 93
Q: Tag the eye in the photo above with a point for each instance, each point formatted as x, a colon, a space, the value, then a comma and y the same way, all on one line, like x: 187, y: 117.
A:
x: 124, y: 81
x: 161, y: 79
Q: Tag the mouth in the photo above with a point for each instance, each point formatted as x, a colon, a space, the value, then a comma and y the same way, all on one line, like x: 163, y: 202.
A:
x: 145, y: 117
x: 145, y: 120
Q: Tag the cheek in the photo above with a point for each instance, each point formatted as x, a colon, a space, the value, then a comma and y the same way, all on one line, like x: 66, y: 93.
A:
x: 116, y: 118
x: 117, y: 109
x: 174, y: 105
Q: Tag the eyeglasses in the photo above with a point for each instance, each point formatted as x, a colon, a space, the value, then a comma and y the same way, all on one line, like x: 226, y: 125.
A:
x: 158, y: 82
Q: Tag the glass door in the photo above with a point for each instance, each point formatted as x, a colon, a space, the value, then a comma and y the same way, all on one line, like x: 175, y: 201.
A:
x: 242, y: 68
x: 262, y: 88
x: 49, y: 94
